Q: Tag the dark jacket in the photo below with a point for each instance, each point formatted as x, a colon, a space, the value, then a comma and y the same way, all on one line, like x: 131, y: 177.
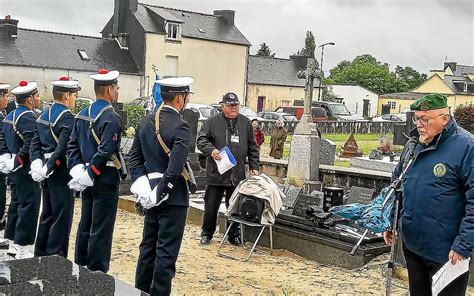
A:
x: 51, y: 149
x: 147, y: 155
x: 83, y: 148
x: 216, y: 134
x: 438, y: 196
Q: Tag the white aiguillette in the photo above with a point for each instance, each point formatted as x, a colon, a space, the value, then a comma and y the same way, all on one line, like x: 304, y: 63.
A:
x: 227, y: 160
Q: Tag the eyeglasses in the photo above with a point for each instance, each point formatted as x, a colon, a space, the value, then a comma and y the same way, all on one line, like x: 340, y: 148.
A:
x: 425, y: 120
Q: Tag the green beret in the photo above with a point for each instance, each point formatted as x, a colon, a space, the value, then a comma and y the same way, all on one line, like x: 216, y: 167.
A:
x: 430, y: 102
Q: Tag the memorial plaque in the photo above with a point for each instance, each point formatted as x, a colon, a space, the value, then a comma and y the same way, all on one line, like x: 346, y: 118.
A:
x: 359, y: 195
x: 303, y: 202
x: 291, y: 195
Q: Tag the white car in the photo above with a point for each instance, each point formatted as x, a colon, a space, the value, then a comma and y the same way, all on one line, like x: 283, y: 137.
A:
x: 205, y: 111
x: 388, y: 117
x: 250, y: 114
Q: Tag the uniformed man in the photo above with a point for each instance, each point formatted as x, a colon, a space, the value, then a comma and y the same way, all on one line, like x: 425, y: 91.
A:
x: 91, y: 152
x: 159, y: 164
x: 4, y: 88
x: 49, y: 166
x: 18, y: 129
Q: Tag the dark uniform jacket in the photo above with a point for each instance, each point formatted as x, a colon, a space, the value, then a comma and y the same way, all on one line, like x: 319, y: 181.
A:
x: 53, y: 129
x: 438, y: 196
x: 216, y: 134
x: 18, y: 130
x: 83, y: 148
x: 3, y: 144
x: 147, y: 156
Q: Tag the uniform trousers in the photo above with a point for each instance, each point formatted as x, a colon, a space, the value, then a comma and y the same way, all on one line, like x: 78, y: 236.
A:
x: 162, y: 235
x: 56, y: 218
x: 23, y: 210
x: 96, y: 227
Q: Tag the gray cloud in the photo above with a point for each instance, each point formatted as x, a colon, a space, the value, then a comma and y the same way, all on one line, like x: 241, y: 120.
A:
x: 418, y: 33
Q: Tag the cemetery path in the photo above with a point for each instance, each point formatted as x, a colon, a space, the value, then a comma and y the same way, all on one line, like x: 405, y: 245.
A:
x: 201, y: 272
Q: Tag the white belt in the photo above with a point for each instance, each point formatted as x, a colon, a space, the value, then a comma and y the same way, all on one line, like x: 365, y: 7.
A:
x: 48, y: 155
x: 155, y: 175
x: 109, y: 164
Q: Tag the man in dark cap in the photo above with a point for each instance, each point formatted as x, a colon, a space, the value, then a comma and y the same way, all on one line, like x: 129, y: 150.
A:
x: 157, y: 160
x: 234, y: 131
x: 49, y: 167
x: 437, y: 222
x: 92, y: 153
x: 18, y: 129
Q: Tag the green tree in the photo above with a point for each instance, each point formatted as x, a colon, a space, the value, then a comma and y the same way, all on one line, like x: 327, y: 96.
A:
x: 410, y: 76
x: 265, y: 51
x: 375, y: 76
x: 309, y: 46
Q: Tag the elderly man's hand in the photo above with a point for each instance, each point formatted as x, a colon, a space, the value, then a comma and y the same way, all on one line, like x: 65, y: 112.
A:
x: 454, y: 257
x: 388, y: 237
x: 253, y: 172
x: 215, y: 154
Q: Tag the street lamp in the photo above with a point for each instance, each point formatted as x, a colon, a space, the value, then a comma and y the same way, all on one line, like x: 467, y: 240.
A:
x: 322, y: 73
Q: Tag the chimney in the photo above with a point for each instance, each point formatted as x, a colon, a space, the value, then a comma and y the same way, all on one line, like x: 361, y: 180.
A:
x: 8, y: 27
x: 228, y: 15
x: 121, y: 8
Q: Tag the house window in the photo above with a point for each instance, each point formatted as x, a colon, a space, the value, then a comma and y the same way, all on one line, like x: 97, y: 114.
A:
x: 82, y: 53
x: 173, y: 31
x: 171, y: 66
x: 392, y: 104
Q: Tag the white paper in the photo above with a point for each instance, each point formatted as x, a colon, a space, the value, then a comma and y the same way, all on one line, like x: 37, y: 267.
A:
x: 227, y: 161
x: 448, y: 273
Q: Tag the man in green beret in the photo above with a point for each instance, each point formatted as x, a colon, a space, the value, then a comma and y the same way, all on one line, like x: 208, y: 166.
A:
x: 437, y: 219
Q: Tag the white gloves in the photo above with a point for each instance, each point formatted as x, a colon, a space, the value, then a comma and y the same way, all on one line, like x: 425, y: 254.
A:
x: 36, y: 168
x: 142, y: 189
x: 84, y: 179
x: 75, y: 173
x: 9, y: 164
x: 3, y: 158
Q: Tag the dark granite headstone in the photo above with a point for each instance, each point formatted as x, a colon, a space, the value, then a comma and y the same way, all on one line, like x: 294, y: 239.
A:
x: 359, y: 195
x: 192, y: 118
x: 55, y: 275
x: 291, y: 195
x: 303, y: 202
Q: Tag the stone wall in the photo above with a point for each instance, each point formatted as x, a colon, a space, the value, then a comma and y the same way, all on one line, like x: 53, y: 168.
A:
x: 358, y: 127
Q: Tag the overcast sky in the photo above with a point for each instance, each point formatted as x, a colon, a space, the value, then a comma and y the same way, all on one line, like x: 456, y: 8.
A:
x: 417, y: 33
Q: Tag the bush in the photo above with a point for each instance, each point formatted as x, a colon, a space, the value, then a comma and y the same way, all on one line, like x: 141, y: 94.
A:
x: 134, y: 115
x: 81, y: 103
x: 464, y: 117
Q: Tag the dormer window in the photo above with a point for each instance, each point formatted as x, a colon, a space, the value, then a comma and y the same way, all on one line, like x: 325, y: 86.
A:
x: 173, y: 31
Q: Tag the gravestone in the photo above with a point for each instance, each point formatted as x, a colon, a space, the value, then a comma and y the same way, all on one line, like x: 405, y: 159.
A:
x: 291, y: 196
x: 359, y: 195
x: 302, y: 204
x: 350, y: 148
x: 192, y: 117
x: 327, y: 152
x: 126, y: 145
x: 284, y: 188
x: 55, y: 275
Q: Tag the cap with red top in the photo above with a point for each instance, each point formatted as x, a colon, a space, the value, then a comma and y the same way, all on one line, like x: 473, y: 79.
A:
x: 25, y: 89
x: 66, y: 84
x: 105, y: 77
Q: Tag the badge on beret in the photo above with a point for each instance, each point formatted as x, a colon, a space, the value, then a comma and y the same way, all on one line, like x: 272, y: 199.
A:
x: 439, y: 170
x: 425, y: 105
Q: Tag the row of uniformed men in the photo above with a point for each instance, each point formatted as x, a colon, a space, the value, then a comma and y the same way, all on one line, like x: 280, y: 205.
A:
x: 60, y: 154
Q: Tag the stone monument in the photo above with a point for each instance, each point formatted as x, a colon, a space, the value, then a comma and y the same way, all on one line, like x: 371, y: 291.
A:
x: 304, y: 154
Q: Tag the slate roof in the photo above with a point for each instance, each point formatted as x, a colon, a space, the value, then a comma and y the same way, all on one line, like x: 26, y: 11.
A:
x: 463, y: 69
x: 403, y: 96
x: 214, y: 27
x: 33, y: 48
x: 274, y: 71
x: 458, y: 88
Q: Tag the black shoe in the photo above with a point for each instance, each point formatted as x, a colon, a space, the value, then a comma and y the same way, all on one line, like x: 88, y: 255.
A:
x: 205, y: 240
x: 236, y: 241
